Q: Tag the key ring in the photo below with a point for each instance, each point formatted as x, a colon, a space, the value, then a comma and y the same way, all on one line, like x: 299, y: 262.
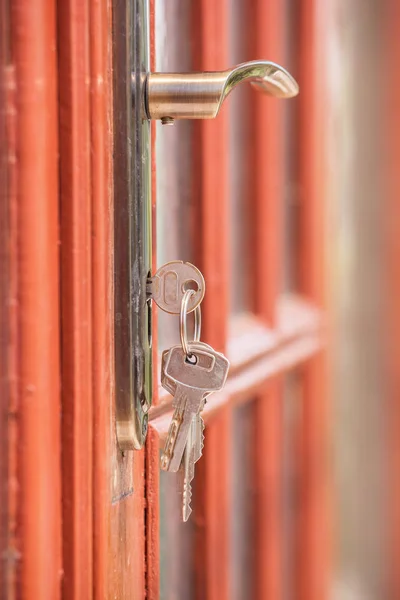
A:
x: 183, y: 322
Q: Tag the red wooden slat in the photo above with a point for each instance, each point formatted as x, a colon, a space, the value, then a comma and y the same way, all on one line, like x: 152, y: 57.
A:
x: 313, y: 541
x: 102, y: 269
x: 310, y: 157
x: 265, y: 155
x: 37, y: 445
x: 75, y: 186
x: 5, y: 106
x: 211, y: 514
x: 8, y: 315
x: 313, y: 526
x: 266, y: 192
x: 135, y: 587
x: 267, y: 461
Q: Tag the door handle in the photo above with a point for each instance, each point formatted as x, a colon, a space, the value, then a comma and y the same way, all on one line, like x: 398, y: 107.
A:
x: 170, y: 96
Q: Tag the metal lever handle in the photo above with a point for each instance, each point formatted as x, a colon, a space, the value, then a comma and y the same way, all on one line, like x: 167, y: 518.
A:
x: 170, y: 96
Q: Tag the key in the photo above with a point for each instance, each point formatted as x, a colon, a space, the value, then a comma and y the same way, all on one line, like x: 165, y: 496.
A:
x: 194, y: 445
x: 194, y: 380
x: 170, y: 385
x: 169, y: 284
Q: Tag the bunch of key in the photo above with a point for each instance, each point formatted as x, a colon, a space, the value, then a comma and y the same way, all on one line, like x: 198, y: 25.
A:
x: 190, y: 372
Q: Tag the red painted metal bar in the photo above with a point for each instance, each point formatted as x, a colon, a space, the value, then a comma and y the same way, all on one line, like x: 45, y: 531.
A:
x: 8, y: 313
x: 5, y: 280
x: 265, y: 155
x: 211, y: 500
x: 76, y: 295
x: 313, y: 553
x: 37, y: 443
x: 266, y: 193
x: 102, y: 273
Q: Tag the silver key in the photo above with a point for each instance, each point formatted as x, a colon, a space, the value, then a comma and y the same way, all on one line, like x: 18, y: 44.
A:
x: 194, y: 445
x: 169, y: 284
x: 193, y: 382
x: 170, y: 386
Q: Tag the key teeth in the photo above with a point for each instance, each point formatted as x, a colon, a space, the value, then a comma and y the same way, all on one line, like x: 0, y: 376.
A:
x: 187, y: 493
x: 202, y: 437
x: 187, y: 497
x: 164, y: 462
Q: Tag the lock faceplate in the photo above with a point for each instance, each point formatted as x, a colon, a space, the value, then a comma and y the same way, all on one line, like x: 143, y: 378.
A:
x: 132, y: 224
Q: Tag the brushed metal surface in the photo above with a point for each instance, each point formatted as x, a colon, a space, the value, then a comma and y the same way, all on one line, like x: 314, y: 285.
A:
x: 132, y: 228
x: 200, y: 95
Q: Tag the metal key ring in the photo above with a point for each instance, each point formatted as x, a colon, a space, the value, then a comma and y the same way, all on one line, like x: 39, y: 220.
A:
x: 183, y: 322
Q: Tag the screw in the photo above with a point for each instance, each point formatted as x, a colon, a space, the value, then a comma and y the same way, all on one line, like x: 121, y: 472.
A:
x: 167, y: 120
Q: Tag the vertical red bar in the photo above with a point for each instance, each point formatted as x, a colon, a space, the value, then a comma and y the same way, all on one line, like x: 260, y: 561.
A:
x: 210, y: 189
x: 310, y: 156
x: 5, y: 280
x: 313, y: 552
x: 76, y: 293
x: 33, y: 49
x: 8, y: 313
x: 265, y: 155
x: 266, y: 194
x: 102, y: 274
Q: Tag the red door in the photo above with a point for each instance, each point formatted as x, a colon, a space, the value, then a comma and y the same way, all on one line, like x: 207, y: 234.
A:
x: 239, y: 197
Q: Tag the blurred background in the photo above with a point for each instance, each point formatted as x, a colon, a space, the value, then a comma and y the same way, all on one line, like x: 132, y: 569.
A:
x: 356, y: 74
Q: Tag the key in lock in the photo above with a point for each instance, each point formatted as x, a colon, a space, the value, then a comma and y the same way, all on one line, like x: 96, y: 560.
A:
x: 168, y: 286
